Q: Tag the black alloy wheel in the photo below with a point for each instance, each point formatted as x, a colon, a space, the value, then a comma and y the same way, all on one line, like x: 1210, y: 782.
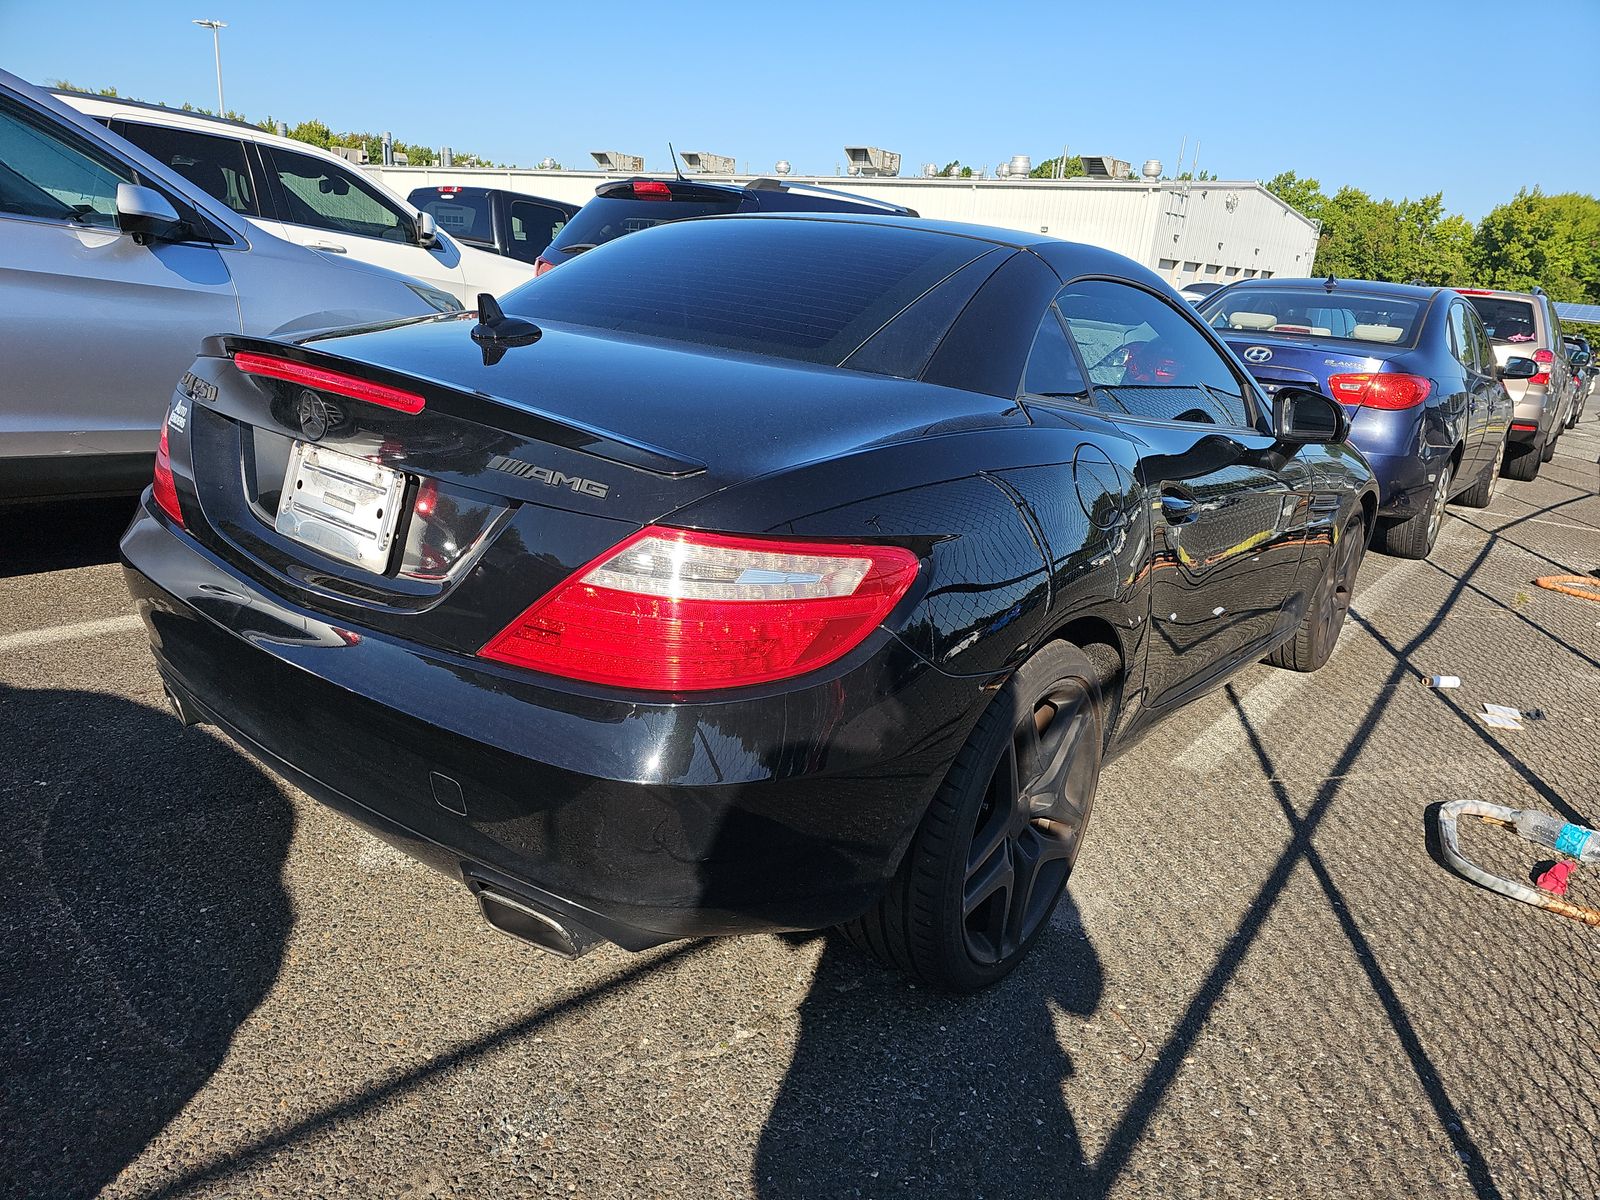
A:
x: 1026, y: 834
x: 991, y: 859
x: 1319, y: 630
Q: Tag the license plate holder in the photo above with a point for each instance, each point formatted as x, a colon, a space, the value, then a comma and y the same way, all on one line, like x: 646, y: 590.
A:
x: 343, y: 506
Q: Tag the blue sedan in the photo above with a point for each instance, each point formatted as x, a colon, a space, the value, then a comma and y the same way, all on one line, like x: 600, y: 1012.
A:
x: 1412, y: 366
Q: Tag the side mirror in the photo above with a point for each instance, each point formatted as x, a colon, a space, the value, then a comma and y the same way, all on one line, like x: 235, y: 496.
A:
x: 427, y: 230
x: 1302, y: 417
x: 1518, y: 368
x: 146, y: 213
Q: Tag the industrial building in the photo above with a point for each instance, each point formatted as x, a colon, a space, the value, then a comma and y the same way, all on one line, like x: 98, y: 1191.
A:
x: 1210, y: 230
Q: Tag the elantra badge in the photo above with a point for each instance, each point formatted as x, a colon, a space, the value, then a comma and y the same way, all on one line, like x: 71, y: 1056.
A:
x: 1258, y: 354
x: 312, y: 413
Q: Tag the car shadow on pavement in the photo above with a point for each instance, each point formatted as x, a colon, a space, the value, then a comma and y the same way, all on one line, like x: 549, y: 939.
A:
x: 142, y: 918
x: 894, y: 1089
x: 59, y: 536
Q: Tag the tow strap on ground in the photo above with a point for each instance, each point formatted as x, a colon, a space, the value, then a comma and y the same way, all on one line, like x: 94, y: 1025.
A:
x: 1583, y: 587
x: 1564, y: 837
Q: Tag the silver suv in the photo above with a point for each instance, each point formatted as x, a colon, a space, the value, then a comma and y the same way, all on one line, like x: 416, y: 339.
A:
x: 112, y: 269
x: 1525, y: 325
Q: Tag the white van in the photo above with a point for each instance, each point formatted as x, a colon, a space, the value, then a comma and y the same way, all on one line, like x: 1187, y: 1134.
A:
x: 305, y: 195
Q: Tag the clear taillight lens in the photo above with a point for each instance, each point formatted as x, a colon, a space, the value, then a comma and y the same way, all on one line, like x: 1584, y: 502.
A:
x: 676, y: 610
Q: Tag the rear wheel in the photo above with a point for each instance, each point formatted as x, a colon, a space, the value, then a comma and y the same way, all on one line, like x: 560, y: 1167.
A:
x: 1549, y: 451
x: 1319, y: 629
x: 1481, y: 492
x: 1414, y: 538
x: 988, y: 864
x: 1522, y: 461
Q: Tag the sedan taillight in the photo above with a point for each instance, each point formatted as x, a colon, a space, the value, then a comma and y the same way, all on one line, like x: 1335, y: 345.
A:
x: 678, y: 610
x: 163, y: 487
x: 1380, y: 390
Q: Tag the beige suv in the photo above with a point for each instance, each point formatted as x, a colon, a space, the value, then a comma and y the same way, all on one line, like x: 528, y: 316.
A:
x: 1525, y: 325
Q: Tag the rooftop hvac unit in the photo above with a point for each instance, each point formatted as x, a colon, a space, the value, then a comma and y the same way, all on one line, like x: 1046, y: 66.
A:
x: 707, y: 164
x: 1103, y: 167
x: 612, y: 160
x: 355, y: 154
x: 869, y: 160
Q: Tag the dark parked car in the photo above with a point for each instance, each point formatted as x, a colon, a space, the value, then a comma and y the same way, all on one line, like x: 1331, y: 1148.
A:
x: 652, y: 612
x: 511, y: 223
x: 1581, y: 355
x: 1412, y: 366
x: 629, y: 205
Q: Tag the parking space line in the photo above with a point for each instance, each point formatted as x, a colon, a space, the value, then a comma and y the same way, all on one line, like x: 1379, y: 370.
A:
x: 28, y: 639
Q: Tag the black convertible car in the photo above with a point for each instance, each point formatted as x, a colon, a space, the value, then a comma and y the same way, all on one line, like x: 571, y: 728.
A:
x: 752, y: 573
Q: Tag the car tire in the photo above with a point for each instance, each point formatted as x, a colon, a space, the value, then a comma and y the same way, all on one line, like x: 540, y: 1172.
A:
x: 1415, y: 537
x: 1318, y: 634
x: 1549, y: 450
x: 1522, y: 462
x: 957, y: 915
x: 1482, y: 491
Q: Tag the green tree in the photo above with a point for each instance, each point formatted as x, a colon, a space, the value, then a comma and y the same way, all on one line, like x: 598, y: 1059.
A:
x: 1050, y: 168
x: 1303, y: 195
x: 1549, y: 241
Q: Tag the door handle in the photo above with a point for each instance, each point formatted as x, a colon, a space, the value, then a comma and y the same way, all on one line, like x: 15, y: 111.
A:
x: 1178, y: 509
x: 329, y: 247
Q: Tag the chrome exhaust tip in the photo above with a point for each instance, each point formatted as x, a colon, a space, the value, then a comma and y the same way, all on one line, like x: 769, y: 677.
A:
x: 528, y: 923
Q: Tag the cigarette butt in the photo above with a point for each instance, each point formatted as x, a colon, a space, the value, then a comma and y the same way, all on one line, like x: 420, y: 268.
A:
x: 1444, y: 681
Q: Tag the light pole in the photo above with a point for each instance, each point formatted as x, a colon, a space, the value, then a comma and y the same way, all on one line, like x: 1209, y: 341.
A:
x: 216, y: 28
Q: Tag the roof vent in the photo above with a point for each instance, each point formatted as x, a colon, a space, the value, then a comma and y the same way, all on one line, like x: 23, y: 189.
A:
x: 612, y: 160
x: 869, y: 160
x: 702, y: 163
x: 1105, y: 167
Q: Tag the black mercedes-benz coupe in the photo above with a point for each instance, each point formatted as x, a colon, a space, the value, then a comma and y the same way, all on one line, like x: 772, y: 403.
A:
x: 750, y: 573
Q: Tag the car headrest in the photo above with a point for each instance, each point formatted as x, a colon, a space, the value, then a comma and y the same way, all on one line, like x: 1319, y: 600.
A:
x: 1251, y: 320
x: 1377, y: 333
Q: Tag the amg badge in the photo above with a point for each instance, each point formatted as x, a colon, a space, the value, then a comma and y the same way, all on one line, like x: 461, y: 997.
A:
x: 523, y: 470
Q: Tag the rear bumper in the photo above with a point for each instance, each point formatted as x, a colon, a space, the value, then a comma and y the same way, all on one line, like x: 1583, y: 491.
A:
x: 638, y: 822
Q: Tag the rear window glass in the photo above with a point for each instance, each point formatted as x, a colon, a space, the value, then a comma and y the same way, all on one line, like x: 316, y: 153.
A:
x: 1314, y: 313
x: 461, y: 215
x: 812, y: 291
x: 604, y: 219
x: 1506, y: 320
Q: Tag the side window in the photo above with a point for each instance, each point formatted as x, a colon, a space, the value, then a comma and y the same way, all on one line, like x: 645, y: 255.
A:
x: 1480, y: 339
x: 325, y: 196
x: 44, y: 174
x: 1147, y: 360
x: 215, y: 165
x: 1462, y: 344
x: 1052, y: 367
x: 533, y: 228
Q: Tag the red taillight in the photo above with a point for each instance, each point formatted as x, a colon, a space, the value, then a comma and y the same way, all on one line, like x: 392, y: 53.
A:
x: 1525, y: 426
x: 678, y: 611
x: 164, y: 488
x: 448, y: 191
x: 1475, y: 291
x: 651, y: 189
x: 328, y: 381
x: 1377, y: 390
x: 541, y: 265
x: 1544, y: 358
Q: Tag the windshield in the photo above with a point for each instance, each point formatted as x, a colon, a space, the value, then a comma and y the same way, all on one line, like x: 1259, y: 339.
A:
x: 1507, y: 320
x: 811, y: 291
x: 461, y: 214
x: 606, y: 218
x: 1315, y: 313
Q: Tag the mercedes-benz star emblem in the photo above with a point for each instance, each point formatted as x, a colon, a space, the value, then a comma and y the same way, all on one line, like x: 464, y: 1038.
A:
x: 1258, y: 354
x: 312, y: 412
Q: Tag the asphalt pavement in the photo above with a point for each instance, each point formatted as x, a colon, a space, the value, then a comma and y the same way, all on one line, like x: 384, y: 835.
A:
x: 1262, y: 983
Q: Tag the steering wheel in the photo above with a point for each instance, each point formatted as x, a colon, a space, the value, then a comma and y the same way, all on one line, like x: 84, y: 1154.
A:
x: 1126, y: 350
x: 1149, y: 362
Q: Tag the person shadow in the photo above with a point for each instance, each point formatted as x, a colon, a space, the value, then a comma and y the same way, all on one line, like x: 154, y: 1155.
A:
x: 897, y: 1090
x: 142, y: 918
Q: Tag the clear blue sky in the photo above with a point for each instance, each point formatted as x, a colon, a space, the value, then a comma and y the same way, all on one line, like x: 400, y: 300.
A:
x: 1378, y: 95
